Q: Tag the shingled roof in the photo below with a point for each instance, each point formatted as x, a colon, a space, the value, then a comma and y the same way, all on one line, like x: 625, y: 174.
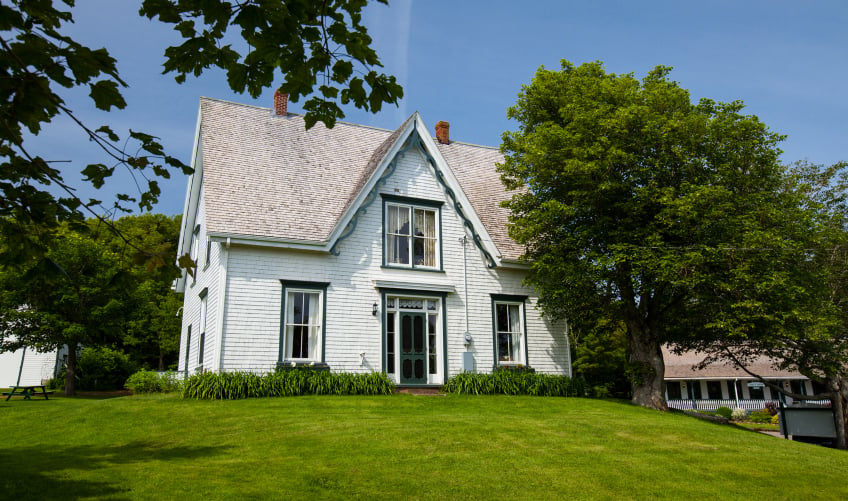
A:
x: 265, y: 176
x: 681, y: 367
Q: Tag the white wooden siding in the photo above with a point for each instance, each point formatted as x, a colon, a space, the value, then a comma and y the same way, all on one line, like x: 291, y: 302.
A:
x: 207, y: 277
x: 37, y: 367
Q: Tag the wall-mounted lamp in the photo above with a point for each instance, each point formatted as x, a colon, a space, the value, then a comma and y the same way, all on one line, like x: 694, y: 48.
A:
x: 374, y: 309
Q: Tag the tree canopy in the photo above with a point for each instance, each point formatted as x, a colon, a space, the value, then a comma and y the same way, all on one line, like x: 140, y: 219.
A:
x: 93, y: 290
x: 811, y: 335
x: 76, y: 296
x: 637, y: 205
x: 320, y: 49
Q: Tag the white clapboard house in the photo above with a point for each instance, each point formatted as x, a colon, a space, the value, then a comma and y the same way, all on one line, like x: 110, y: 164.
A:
x: 356, y: 248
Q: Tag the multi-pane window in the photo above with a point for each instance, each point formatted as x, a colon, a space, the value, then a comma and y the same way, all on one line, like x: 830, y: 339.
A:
x: 509, y: 332
x: 696, y: 389
x: 714, y: 390
x: 673, y: 390
x: 412, y: 236
x: 303, y: 325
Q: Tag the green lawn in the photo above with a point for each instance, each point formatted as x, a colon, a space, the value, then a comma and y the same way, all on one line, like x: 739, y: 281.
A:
x: 398, y: 447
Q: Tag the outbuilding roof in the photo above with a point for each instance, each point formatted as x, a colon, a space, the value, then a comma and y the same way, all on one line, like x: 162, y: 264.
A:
x: 266, y: 176
x: 683, y: 367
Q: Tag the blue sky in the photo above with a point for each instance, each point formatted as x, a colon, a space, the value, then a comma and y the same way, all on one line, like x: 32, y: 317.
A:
x: 465, y: 62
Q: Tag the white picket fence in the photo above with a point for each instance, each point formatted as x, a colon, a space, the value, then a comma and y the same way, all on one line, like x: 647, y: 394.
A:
x: 747, y: 404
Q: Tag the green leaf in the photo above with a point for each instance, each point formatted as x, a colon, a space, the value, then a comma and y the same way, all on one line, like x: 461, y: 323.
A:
x: 106, y: 95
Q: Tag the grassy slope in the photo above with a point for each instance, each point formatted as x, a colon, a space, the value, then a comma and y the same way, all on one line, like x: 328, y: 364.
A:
x: 395, y: 447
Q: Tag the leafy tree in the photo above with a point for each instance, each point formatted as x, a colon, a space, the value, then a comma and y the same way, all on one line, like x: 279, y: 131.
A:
x: 152, y: 329
x: 600, y: 358
x: 639, y: 206
x: 317, y: 46
x: 813, y: 337
x: 76, y: 296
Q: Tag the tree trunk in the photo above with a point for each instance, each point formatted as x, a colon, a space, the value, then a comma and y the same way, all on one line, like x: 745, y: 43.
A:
x: 71, y: 371
x: 647, y: 368
x: 161, y: 359
x: 840, y: 403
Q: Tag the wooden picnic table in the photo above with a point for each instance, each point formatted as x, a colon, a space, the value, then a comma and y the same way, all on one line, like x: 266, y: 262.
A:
x: 27, y: 391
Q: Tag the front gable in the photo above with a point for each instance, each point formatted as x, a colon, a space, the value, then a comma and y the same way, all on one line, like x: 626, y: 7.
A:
x: 414, y: 141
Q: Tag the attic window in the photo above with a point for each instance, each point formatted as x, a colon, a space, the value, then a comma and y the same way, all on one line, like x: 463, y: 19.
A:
x: 412, y: 233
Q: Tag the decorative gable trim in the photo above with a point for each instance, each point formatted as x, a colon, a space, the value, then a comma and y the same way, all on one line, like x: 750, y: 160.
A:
x: 409, y: 138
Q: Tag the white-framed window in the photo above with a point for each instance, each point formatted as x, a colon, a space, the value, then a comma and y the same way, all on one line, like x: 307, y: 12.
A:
x: 303, y: 322
x: 187, y: 348
x: 195, y: 244
x: 412, y: 234
x: 201, y: 343
x: 509, y: 330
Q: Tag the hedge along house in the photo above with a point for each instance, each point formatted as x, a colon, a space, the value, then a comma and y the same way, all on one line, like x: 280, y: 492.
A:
x: 720, y: 384
x: 357, y: 248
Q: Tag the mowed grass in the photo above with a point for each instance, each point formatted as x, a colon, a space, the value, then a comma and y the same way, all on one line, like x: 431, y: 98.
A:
x: 397, y: 447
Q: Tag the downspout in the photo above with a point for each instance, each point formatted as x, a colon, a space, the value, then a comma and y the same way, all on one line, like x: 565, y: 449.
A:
x: 464, y: 241
x: 222, y: 300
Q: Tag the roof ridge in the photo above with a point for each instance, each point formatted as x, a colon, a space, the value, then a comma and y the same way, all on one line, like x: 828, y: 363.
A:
x: 256, y: 106
x: 463, y: 143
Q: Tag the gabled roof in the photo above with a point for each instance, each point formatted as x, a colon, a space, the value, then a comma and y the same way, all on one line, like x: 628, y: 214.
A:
x: 266, y: 177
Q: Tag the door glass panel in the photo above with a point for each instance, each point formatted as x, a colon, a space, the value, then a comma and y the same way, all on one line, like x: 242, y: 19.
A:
x: 406, y: 334
x: 431, y: 345
x: 390, y: 343
x: 419, y: 334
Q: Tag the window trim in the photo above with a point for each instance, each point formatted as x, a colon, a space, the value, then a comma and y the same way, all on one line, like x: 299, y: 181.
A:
x: 509, y: 299
x: 203, y: 321
x: 194, y: 252
x: 297, y: 285
x: 412, y: 204
x: 188, y: 348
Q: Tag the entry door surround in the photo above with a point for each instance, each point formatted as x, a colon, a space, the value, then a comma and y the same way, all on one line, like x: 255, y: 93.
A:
x: 414, y: 336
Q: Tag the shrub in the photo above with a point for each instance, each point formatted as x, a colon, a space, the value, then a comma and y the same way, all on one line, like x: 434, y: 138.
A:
x: 506, y: 382
x: 143, y: 381
x: 760, y: 416
x: 775, y: 419
x: 739, y: 414
x: 236, y: 385
x: 771, y: 407
x: 102, y: 368
x: 151, y: 382
x: 724, y: 412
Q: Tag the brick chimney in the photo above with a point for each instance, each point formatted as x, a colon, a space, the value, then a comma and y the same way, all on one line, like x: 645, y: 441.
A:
x: 281, y: 103
x: 442, y: 132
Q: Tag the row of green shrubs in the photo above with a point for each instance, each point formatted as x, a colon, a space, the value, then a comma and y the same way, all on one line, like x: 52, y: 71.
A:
x: 237, y: 385
x: 766, y: 415
x: 506, y: 382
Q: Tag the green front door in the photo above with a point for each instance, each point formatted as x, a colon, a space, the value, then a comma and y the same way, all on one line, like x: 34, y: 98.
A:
x: 413, y: 348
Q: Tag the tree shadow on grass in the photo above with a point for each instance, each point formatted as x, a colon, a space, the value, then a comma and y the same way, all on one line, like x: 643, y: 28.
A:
x: 32, y: 472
